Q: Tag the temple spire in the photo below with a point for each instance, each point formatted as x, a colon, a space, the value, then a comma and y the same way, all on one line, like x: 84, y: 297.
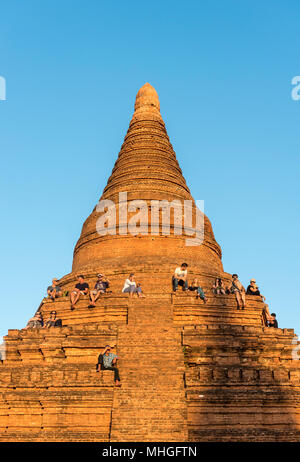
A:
x: 147, y: 99
x: 146, y: 170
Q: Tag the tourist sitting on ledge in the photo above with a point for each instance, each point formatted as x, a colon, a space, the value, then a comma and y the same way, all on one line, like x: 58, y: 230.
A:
x: 53, y: 321
x: 36, y: 322
x: 218, y: 287
x: 273, y: 321
x: 252, y: 289
x: 139, y: 290
x: 101, y: 286
x: 130, y: 286
x: 107, y: 361
x: 238, y: 290
x: 81, y: 288
x: 179, y: 277
x: 200, y: 292
x: 266, y: 316
x: 54, y: 291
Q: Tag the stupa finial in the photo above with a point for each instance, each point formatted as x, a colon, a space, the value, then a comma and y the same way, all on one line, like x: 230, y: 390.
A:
x: 147, y: 98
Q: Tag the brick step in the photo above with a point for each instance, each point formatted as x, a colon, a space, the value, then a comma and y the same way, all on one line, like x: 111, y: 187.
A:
x: 140, y: 347
x: 150, y: 421
x: 150, y: 436
x: 151, y: 415
x: 157, y: 297
x: 146, y: 409
x: 151, y: 337
x: 151, y: 397
x: 160, y: 388
x: 157, y: 382
x: 161, y: 343
x: 143, y: 360
x: 151, y: 372
x: 217, y: 328
x: 148, y: 368
x: 146, y: 329
x: 151, y: 429
x: 150, y: 349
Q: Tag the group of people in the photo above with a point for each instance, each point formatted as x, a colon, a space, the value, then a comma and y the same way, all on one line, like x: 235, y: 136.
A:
x: 133, y: 288
x: 37, y: 321
x: 179, y: 278
x: 102, y: 284
x: 236, y: 287
x: 108, y: 360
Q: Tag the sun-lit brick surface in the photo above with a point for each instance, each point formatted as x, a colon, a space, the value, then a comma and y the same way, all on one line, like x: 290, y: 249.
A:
x: 189, y: 371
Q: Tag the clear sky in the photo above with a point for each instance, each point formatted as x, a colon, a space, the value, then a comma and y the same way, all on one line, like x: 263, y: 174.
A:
x: 223, y: 73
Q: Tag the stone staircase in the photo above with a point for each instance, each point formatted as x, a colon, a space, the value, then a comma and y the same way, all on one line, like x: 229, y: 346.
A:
x: 190, y: 372
x: 219, y: 309
x: 151, y: 405
x: 112, y: 308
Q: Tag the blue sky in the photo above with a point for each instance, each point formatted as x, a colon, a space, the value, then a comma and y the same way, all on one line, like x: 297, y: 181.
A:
x: 223, y: 73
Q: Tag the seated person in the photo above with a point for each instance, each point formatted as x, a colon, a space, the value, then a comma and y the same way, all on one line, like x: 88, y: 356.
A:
x: 179, y: 277
x: 130, y: 286
x: 107, y: 361
x: 36, y: 322
x: 273, y: 321
x: 218, y: 287
x: 54, y: 291
x: 101, y: 286
x: 266, y: 316
x: 53, y: 321
x: 139, y: 290
x: 81, y: 288
x: 200, y: 292
x: 252, y: 289
x: 238, y: 290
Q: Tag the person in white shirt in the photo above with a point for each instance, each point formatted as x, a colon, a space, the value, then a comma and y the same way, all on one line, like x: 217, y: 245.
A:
x: 130, y: 286
x: 180, y: 277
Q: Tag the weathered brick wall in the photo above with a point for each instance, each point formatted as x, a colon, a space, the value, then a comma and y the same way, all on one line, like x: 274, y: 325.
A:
x: 49, y: 388
x: 241, y: 383
x: 181, y: 380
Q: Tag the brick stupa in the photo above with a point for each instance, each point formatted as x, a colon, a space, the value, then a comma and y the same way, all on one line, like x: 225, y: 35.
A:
x: 190, y: 372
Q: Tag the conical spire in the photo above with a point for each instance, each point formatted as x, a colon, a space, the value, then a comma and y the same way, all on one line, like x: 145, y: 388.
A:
x: 147, y: 170
x: 147, y: 161
x: 147, y: 99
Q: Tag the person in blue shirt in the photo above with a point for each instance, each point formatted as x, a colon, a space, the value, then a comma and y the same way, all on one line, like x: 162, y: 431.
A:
x: 107, y: 361
x: 200, y: 292
x: 101, y: 286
